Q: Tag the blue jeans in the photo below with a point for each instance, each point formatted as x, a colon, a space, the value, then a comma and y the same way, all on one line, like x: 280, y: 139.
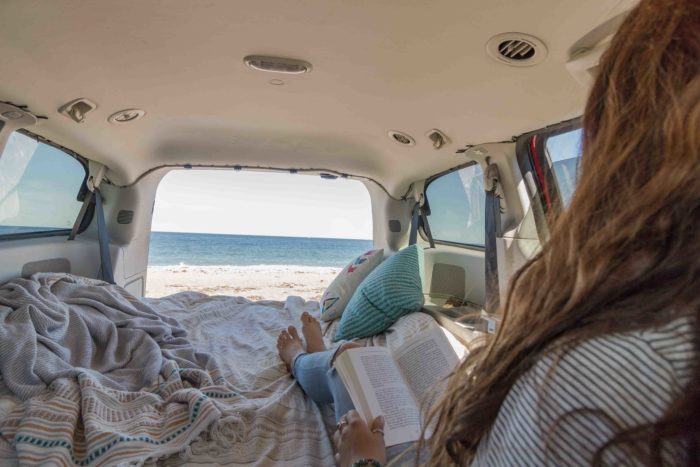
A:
x: 320, y: 381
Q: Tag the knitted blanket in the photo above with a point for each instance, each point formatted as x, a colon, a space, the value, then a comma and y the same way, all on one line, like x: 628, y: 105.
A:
x: 103, y: 377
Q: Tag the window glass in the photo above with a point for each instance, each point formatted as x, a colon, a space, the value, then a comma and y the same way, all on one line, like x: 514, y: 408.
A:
x: 457, y: 202
x: 563, y: 153
x: 39, y: 186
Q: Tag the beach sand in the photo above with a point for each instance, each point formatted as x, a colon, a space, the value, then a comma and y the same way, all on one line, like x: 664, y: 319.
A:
x: 251, y: 282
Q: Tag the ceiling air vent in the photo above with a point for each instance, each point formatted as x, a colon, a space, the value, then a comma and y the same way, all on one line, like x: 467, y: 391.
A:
x: 516, y: 49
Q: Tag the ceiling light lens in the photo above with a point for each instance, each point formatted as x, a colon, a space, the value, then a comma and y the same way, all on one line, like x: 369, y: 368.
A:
x: 125, y: 116
x: 401, y: 138
x: 288, y: 66
x: 13, y: 115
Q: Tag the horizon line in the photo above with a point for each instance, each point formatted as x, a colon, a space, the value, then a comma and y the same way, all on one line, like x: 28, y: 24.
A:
x: 261, y: 235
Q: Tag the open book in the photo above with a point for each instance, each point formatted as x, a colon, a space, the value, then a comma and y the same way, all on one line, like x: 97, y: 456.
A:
x: 398, y: 384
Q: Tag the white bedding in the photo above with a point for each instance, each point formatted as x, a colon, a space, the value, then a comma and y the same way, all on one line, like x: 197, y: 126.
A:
x: 282, y: 426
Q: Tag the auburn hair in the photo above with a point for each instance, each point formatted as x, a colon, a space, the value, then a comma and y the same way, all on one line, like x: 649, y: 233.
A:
x: 625, y: 255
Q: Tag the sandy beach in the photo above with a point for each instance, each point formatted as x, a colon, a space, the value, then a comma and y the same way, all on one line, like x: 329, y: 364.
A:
x: 251, y: 282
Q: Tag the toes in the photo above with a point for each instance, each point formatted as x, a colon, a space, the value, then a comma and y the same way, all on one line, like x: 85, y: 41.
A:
x: 306, y: 318
x: 293, y: 332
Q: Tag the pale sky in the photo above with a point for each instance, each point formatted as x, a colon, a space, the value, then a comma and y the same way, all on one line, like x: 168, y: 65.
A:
x: 565, y: 145
x: 38, y: 185
x: 262, y: 203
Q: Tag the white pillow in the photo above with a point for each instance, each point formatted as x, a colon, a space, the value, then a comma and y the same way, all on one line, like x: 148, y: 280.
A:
x: 340, y: 291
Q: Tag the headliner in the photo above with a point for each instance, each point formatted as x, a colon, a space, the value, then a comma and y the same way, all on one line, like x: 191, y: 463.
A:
x: 378, y: 65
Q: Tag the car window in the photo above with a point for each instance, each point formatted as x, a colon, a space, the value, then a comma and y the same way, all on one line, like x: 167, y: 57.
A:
x: 457, y: 202
x: 563, y: 153
x: 39, y: 187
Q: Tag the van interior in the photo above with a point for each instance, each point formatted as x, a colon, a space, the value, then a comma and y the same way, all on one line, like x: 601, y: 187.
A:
x: 461, y: 119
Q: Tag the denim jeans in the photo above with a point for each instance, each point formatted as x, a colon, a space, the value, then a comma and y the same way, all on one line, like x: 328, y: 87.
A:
x: 320, y: 381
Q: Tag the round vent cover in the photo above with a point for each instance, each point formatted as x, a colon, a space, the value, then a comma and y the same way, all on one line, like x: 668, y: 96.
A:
x: 401, y: 138
x: 516, y: 49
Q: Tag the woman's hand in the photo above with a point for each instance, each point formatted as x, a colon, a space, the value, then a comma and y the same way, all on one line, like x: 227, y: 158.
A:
x: 356, y: 440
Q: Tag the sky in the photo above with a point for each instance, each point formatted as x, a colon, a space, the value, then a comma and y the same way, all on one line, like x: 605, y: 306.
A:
x: 565, y: 145
x: 262, y: 203
x: 34, y: 181
x: 457, y: 201
x: 564, y: 151
x: 38, y: 185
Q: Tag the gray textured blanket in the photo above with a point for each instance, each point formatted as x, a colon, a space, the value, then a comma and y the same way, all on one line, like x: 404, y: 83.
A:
x: 61, y: 326
x: 104, y: 378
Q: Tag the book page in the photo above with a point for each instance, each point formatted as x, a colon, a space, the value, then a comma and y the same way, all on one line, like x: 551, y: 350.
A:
x: 424, y: 361
x: 385, y: 393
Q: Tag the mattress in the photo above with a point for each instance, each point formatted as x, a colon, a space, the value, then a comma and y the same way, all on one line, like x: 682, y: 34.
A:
x: 281, y: 425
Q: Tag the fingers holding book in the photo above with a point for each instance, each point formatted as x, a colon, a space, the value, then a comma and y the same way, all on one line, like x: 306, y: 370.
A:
x: 356, y: 439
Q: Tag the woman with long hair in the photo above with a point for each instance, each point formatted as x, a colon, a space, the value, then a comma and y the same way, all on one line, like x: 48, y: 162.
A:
x: 595, y: 361
x: 603, y: 324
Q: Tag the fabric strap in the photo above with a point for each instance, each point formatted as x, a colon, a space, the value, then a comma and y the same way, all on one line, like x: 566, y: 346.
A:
x: 413, y: 236
x: 426, y: 226
x: 420, y: 216
x: 103, y: 236
x: 81, y: 215
x: 106, y: 272
x: 493, y: 230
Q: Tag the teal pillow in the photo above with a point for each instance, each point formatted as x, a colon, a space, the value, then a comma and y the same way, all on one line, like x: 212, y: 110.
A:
x: 393, y: 289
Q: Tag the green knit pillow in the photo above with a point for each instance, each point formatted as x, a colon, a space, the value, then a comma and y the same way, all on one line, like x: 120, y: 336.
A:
x: 392, y: 290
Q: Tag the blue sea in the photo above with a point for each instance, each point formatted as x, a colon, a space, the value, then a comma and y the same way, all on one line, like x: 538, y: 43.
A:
x: 197, y: 249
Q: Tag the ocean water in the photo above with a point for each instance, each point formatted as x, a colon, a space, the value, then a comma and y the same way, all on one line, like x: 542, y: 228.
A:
x: 15, y: 230
x: 196, y: 249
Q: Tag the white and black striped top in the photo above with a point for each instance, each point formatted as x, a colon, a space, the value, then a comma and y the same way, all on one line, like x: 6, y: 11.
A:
x: 569, y: 405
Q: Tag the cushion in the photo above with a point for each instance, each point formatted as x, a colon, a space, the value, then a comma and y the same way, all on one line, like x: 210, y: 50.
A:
x: 340, y: 291
x: 392, y: 290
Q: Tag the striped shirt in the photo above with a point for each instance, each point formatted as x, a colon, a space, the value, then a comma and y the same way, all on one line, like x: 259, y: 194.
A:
x: 569, y: 405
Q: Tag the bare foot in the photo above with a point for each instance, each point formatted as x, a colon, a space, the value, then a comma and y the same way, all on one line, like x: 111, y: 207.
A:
x: 311, y: 329
x: 289, y: 345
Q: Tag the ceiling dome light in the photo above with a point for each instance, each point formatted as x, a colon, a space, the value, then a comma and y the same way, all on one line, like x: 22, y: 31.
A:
x: 287, y: 66
x: 125, y: 116
x: 401, y: 138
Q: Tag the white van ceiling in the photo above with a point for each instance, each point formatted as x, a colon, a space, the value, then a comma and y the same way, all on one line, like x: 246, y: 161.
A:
x: 379, y: 65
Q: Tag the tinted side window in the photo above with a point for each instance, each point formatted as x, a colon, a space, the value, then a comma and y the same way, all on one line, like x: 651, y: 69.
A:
x: 457, y: 201
x: 563, y: 153
x: 39, y: 187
